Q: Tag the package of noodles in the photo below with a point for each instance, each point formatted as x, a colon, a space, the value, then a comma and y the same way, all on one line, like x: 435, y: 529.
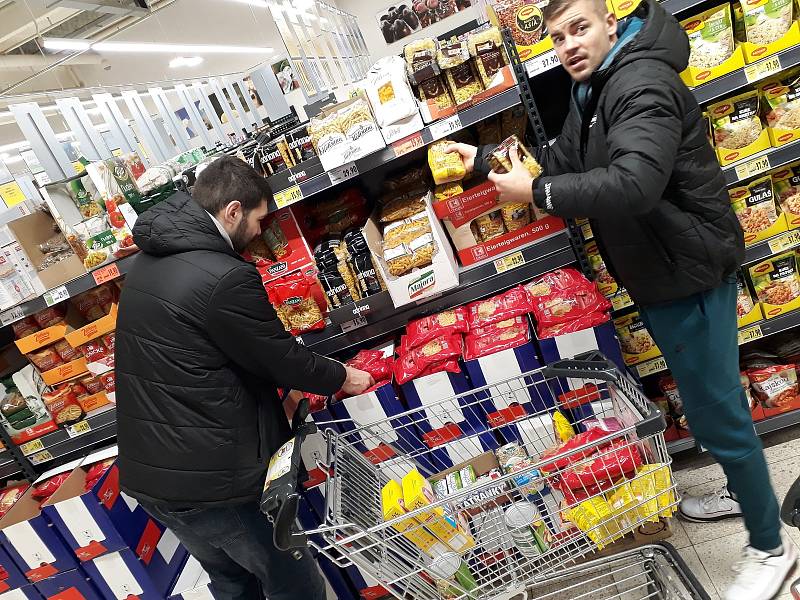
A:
x: 663, y: 485
x: 487, y: 48
x: 786, y: 183
x: 299, y: 302
x: 736, y: 121
x: 710, y: 37
x: 754, y: 205
x: 781, y: 99
x: 766, y: 21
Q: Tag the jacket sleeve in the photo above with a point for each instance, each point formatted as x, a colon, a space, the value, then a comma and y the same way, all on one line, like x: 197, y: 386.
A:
x: 644, y: 132
x: 243, y: 323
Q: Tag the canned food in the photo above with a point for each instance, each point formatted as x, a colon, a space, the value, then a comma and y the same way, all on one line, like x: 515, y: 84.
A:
x: 520, y: 518
x: 448, y: 568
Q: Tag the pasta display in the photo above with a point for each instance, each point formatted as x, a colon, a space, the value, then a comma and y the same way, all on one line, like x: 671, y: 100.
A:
x: 754, y: 205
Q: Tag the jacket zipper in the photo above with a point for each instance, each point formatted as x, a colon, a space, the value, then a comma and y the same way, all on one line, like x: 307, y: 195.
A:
x: 662, y: 249
x: 258, y: 425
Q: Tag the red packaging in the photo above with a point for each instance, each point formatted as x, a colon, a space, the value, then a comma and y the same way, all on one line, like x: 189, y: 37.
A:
x: 96, y: 471
x: 49, y: 487
x: 450, y: 365
x: 614, y: 460
x: 93, y: 385
x: 49, y: 316
x: 109, y: 382
x: 414, y: 363
x: 299, y: 301
x: 579, y: 324
x: 45, y: 358
x: 497, y: 337
x: 563, y: 296
x: 316, y: 402
x: 587, y: 437
x: 63, y: 405
x: 94, y: 350
x: 429, y: 328
x: 373, y: 362
x: 513, y: 303
x: 109, y: 340
x: 774, y: 386
x: 24, y: 327
x: 65, y: 351
x: 9, y: 497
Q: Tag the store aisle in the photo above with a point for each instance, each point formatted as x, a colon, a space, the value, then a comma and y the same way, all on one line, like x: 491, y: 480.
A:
x: 711, y: 549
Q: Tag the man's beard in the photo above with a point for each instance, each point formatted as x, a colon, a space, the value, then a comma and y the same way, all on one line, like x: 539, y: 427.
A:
x: 240, y: 238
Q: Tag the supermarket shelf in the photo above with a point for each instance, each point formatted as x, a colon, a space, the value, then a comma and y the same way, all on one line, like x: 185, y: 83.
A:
x: 542, y: 63
x: 309, y: 178
x: 750, y: 74
x: 68, y: 444
x: 768, y: 425
x: 478, y: 282
x: 774, y: 245
x: 762, y: 162
x: 8, y: 466
x: 74, y: 287
x: 678, y: 6
x: 769, y: 327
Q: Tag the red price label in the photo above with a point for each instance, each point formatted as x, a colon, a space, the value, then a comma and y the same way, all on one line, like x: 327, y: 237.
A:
x: 408, y: 144
x: 107, y: 273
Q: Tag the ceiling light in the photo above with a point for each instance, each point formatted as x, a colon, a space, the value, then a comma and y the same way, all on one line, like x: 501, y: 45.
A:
x: 185, y: 61
x: 66, y: 44
x: 182, y: 48
x: 303, y: 5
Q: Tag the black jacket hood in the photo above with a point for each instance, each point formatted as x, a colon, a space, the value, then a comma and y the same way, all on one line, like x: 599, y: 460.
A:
x: 661, y: 38
x: 177, y: 225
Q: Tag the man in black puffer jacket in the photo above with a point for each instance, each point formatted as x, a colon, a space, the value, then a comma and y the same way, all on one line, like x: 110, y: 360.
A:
x: 633, y: 157
x: 199, y: 355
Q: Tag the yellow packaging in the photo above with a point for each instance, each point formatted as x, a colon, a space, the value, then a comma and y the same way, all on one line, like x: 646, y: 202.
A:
x: 769, y: 13
x: 777, y: 284
x: 755, y: 207
x: 622, y: 8
x: 447, y: 190
x: 644, y: 489
x: 418, y: 493
x: 713, y: 51
x: 786, y: 182
x: 596, y: 519
x: 445, y: 166
x: 562, y: 427
x: 737, y: 127
x: 605, y: 282
x: 623, y: 503
x: 412, y: 530
x: 634, y: 339
x: 662, y: 481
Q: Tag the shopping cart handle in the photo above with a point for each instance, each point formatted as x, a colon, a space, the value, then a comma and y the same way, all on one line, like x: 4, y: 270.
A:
x: 589, y: 365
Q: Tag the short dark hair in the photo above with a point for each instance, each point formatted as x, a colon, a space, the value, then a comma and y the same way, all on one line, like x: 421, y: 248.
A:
x: 227, y: 179
x: 556, y: 7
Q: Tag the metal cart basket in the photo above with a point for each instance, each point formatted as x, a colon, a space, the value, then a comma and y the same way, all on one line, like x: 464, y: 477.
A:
x: 479, y: 495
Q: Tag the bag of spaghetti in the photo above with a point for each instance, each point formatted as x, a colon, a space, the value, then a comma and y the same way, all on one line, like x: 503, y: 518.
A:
x: 781, y: 99
x: 766, y: 21
x: 736, y: 122
x: 299, y: 302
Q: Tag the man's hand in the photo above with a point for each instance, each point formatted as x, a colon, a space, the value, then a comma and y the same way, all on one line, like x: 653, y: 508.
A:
x: 357, y: 381
x: 516, y: 185
x: 467, y: 152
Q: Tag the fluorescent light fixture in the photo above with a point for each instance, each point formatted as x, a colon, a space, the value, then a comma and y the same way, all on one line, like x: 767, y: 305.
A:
x: 185, y: 61
x: 66, y: 44
x: 179, y: 48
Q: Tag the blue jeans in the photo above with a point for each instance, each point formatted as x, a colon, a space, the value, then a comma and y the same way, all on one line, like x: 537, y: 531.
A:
x: 234, y: 545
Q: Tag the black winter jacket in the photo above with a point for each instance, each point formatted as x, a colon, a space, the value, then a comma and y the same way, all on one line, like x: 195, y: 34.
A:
x: 638, y: 164
x: 199, y: 354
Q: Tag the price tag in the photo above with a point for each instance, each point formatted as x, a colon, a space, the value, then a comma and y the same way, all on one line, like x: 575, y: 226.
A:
x: 408, y: 144
x: 753, y: 167
x: 11, y: 316
x: 41, y: 457
x: 621, y: 300
x: 343, y: 173
x: 288, y: 196
x: 652, y: 366
x: 750, y: 334
x: 78, y: 428
x: 79, y: 168
x: 116, y: 152
x: 106, y: 273
x: 763, y: 68
x: 787, y: 240
x: 543, y: 62
x: 31, y: 447
x: 354, y: 324
x: 512, y: 261
x: 445, y: 127
x: 11, y: 194
x: 586, y: 231
x: 56, y: 295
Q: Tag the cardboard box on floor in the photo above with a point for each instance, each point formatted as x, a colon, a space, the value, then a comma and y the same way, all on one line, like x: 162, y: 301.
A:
x: 122, y: 575
x: 27, y: 592
x: 71, y: 585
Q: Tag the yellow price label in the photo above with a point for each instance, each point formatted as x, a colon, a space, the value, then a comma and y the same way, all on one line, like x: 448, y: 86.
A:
x: 288, y: 196
x: 787, y: 240
x: 41, y: 457
x: 512, y: 261
x: 11, y: 194
x: 750, y: 334
x: 31, y: 447
x: 78, y: 428
x: 652, y: 366
x: 586, y: 231
x: 79, y: 168
x: 621, y: 300
x: 753, y: 167
x: 763, y: 68
x: 116, y: 152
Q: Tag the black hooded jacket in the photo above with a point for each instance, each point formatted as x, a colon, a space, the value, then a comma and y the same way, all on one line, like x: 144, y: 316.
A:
x: 199, y: 354
x: 637, y: 163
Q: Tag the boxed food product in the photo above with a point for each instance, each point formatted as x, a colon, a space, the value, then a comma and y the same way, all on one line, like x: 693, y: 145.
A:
x: 747, y: 311
x: 524, y: 19
x: 634, y: 339
x: 481, y: 227
x: 713, y: 52
x: 786, y: 182
x: 442, y: 274
x: 412, y: 530
x: 757, y: 211
x: 737, y: 126
x: 768, y: 28
x: 777, y: 284
x: 281, y: 248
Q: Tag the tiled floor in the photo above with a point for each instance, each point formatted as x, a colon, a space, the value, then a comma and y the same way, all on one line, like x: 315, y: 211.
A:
x: 711, y: 549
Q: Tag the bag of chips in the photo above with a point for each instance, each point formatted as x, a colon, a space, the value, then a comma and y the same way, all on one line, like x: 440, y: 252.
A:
x: 513, y: 303
x: 774, y: 386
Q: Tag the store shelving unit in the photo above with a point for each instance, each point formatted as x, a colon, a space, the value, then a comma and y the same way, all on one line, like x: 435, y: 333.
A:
x: 381, y: 318
x: 8, y: 465
x: 309, y: 178
x: 762, y: 162
x: 678, y: 6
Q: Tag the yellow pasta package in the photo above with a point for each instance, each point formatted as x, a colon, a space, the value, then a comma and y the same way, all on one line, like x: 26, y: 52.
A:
x: 664, y: 487
x: 445, y: 166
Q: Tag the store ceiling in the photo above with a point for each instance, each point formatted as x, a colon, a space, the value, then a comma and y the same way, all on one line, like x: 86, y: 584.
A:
x: 26, y: 67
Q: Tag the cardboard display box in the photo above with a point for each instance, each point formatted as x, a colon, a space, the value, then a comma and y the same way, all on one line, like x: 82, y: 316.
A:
x: 566, y: 346
x: 70, y: 585
x: 121, y: 575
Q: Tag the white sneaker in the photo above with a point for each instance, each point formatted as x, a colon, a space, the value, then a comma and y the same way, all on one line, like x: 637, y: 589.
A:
x: 716, y: 506
x: 760, y: 574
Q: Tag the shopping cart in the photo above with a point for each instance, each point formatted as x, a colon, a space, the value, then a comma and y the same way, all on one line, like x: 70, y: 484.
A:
x: 525, y: 519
